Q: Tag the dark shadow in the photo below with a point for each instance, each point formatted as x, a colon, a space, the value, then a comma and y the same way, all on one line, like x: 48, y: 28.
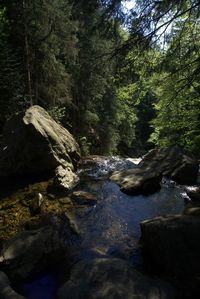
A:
x: 13, y: 183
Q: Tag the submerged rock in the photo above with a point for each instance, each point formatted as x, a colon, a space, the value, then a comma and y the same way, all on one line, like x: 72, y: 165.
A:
x: 33, y: 143
x: 112, y: 278
x: 83, y: 198
x: 169, y: 162
x: 6, y: 291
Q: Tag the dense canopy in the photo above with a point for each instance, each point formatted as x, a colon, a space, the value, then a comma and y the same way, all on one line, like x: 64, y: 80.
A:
x: 120, y: 80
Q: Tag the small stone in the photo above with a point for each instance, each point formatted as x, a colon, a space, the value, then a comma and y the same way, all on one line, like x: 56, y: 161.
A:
x: 65, y: 178
x: 36, y: 204
x: 83, y: 198
x: 65, y: 201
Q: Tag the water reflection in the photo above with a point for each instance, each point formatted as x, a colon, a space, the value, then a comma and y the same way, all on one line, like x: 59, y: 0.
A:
x: 44, y: 287
x: 113, y: 225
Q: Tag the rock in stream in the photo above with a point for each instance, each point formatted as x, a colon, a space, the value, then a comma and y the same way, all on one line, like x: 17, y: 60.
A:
x: 112, y: 278
x: 33, y: 143
x: 169, y: 162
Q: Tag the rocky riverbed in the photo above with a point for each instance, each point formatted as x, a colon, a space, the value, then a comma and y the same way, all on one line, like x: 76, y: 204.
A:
x: 101, y: 227
x: 102, y: 231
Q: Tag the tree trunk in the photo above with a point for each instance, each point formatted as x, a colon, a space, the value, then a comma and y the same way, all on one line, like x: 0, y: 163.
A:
x: 36, y: 78
x: 35, y: 59
x: 27, y: 56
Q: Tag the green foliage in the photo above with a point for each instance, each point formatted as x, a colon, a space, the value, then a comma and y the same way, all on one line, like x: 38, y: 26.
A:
x: 135, y: 110
x: 116, y: 90
x: 95, y: 101
x: 177, y: 89
x: 58, y: 113
x: 43, y: 36
x: 65, y: 51
x: 10, y: 90
x: 91, y: 118
x: 84, y: 145
x: 52, y: 41
x: 126, y: 115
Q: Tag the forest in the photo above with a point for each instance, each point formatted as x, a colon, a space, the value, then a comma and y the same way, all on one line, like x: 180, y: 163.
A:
x: 120, y: 80
x: 99, y: 149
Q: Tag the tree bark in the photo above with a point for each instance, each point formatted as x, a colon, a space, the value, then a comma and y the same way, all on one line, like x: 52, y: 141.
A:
x: 27, y: 55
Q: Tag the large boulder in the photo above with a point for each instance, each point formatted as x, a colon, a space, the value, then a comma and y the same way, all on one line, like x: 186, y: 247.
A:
x: 112, y: 278
x: 171, y: 244
x: 135, y: 181
x: 172, y: 163
x: 34, y: 143
x: 32, y: 252
x: 6, y: 291
x: 145, y: 178
x: 171, y: 247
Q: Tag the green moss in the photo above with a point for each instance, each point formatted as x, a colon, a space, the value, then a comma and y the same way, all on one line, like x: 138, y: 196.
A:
x: 15, y: 210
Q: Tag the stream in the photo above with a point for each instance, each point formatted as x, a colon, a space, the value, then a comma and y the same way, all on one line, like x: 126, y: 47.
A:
x: 112, y: 226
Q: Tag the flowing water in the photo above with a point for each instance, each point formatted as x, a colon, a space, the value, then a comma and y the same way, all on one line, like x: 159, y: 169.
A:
x: 112, y: 226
